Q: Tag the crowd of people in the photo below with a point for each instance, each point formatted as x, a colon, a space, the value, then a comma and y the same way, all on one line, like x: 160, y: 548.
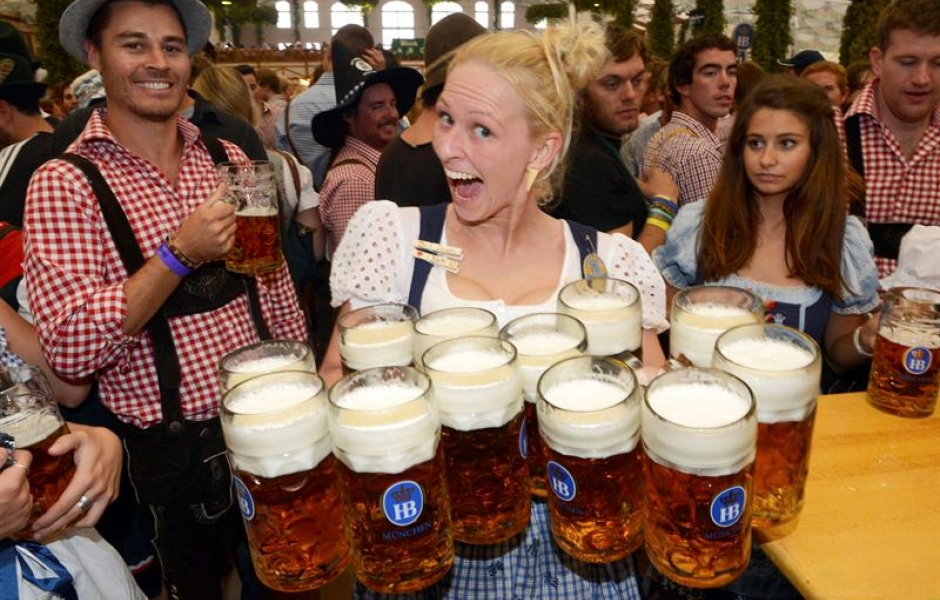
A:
x: 528, y: 151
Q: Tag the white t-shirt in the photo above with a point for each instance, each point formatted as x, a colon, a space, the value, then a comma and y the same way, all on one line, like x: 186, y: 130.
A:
x: 374, y: 263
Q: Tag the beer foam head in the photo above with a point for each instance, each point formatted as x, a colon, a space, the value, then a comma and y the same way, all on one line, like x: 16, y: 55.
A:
x: 545, y: 343
x: 385, y: 427
x: 455, y: 323
x: 30, y: 428
x: 589, y: 417
x: 257, y: 211
x: 783, y: 376
x: 475, y: 388
x: 276, y: 425
x: 697, y: 423
x: 377, y: 343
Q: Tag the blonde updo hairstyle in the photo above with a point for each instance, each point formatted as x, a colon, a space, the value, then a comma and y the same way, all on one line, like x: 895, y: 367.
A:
x: 547, y: 70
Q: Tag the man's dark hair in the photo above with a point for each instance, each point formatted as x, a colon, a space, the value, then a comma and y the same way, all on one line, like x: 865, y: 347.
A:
x: 920, y: 16
x: 27, y: 106
x: 102, y: 18
x: 355, y: 37
x: 624, y: 43
x: 683, y: 63
x: 269, y: 79
x: 246, y: 70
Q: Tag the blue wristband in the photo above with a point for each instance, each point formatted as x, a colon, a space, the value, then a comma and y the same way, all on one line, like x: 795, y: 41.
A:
x: 172, y: 263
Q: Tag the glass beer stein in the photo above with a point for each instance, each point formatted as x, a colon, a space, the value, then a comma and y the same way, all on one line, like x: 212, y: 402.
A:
x: 386, y: 434
x: 476, y: 385
x: 782, y: 366
x: 610, y: 311
x: 449, y: 323
x: 377, y: 336
x: 29, y: 413
x: 701, y: 313
x: 252, y: 189
x: 541, y: 340
x: 275, y: 428
x: 905, y: 370
x: 699, y: 431
x: 267, y: 356
x: 589, y: 420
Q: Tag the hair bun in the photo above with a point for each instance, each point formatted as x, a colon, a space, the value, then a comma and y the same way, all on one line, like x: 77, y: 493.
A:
x: 577, y: 49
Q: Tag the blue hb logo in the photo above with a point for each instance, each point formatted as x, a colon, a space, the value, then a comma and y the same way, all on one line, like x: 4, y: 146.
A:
x: 403, y: 502
x: 728, y: 506
x: 917, y: 360
x: 245, y: 501
x: 562, y: 482
x: 523, y: 441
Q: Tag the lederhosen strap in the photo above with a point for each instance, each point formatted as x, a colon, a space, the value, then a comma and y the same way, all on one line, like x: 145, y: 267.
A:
x: 432, y: 228
x: 165, y: 355
x: 886, y: 237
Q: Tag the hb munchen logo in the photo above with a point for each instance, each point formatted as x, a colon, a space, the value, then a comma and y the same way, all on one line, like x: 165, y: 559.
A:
x: 728, y: 506
x: 917, y: 360
x: 245, y: 502
x: 403, y: 502
x: 562, y: 481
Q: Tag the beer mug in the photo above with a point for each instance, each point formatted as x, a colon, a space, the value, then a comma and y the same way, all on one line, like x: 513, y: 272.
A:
x: 252, y: 189
x: 263, y: 357
x: 782, y: 366
x: 477, y: 388
x: 905, y: 370
x: 275, y: 428
x: 541, y: 340
x: 450, y: 323
x: 700, y: 314
x: 610, y: 311
x: 29, y: 413
x: 699, y: 431
x: 589, y: 420
x: 386, y: 434
x: 377, y: 336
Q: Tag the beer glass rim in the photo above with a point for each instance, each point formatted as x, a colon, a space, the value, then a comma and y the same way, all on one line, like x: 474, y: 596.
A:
x: 264, y: 379
x: 586, y: 283
x: 786, y: 332
x: 454, y: 310
x: 914, y: 295
x: 595, y: 374
x: 681, y: 298
x: 254, y: 346
x: 509, y: 349
x: 506, y: 333
x: 19, y: 370
x: 406, y: 311
x: 704, y: 373
x: 419, y: 380
x: 230, y: 165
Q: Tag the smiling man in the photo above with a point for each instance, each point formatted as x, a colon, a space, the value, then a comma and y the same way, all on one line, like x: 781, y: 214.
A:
x: 369, y: 104
x: 893, y: 128
x: 702, y: 78
x: 149, y: 309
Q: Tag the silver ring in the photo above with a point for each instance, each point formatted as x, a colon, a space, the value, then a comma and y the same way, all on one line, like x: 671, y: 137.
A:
x: 20, y: 465
x: 84, y: 503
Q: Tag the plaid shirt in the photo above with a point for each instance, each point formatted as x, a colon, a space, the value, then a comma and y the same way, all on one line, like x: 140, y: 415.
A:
x: 689, y: 152
x: 347, y: 187
x: 270, y: 114
x: 897, y: 190
x: 76, y: 278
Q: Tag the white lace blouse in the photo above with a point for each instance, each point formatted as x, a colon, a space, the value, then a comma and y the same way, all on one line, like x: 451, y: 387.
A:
x: 374, y: 264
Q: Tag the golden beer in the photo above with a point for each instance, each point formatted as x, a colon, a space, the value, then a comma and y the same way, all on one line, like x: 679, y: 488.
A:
x: 48, y: 475
x: 905, y: 371
x: 385, y: 431
x: 275, y: 427
x: 589, y: 419
x: 699, y: 431
x: 477, y: 388
x: 257, y: 247
x: 782, y: 366
x: 541, y: 340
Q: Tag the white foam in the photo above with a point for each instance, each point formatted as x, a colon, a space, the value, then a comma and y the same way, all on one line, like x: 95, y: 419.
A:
x: 30, y: 429
x: 450, y: 325
x: 539, y: 350
x: 911, y: 336
x: 594, y: 421
x: 237, y: 372
x: 384, y: 428
x: 700, y: 426
x: 469, y: 361
x: 476, y: 389
x: 767, y: 354
x: 377, y: 344
x: 257, y: 211
x: 693, y: 332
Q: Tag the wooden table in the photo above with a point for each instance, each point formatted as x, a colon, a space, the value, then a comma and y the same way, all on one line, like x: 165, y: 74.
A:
x: 870, y: 525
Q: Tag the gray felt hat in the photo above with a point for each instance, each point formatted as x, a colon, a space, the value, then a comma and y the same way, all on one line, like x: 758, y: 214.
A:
x: 73, y: 26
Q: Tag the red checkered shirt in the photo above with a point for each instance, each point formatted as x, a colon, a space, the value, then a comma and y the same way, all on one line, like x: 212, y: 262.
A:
x: 347, y: 187
x: 689, y: 152
x: 270, y: 113
x: 897, y: 190
x: 76, y: 279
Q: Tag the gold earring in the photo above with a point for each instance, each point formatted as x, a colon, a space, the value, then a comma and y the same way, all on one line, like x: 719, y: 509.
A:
x: 530, y: 174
